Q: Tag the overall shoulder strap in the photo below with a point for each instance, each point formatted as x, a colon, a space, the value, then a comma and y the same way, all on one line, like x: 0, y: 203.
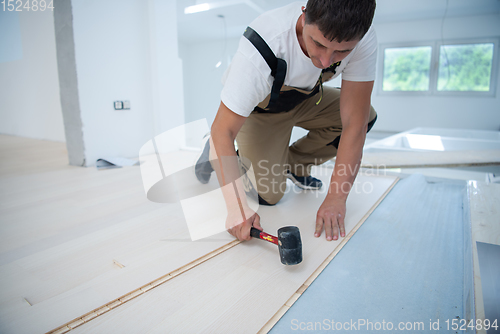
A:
x: 277, y: 65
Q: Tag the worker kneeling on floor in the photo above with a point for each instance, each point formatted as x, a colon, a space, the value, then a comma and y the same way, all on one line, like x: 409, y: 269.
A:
x: 275, y: 82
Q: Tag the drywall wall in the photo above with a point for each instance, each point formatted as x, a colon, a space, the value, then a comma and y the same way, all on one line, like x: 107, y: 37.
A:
x: 166, y: 66
x: 112, y: 61
x: 126, y: 50
x: 29, y: 85
x: 202, y: 79
x: 401, y: 113
x: 123, y: 50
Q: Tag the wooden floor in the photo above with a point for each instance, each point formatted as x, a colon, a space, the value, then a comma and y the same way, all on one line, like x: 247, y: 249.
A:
x: 73, y: 240
x: 485, y: 220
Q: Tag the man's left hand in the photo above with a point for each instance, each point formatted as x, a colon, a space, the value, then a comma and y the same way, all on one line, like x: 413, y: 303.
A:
x: 331, y: 216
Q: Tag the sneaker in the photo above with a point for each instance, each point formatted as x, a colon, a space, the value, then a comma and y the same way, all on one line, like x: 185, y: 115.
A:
x: 203, y: 168
x: 305, y: 182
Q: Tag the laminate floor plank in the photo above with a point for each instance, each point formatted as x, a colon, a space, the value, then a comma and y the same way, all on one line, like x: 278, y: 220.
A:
x: 485, y: 225
x: 241, y: 289
x: 73, y: 239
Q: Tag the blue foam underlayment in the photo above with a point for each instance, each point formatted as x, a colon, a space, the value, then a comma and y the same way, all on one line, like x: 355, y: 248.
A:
x: 405, y: 264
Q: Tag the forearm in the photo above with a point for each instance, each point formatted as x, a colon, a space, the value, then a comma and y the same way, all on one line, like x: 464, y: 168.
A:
x: 347, y: 162
x: 355, y: 112
x: 226, y: 166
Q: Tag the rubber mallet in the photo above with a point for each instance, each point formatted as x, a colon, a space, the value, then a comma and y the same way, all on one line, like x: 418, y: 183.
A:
x: 288, y: 241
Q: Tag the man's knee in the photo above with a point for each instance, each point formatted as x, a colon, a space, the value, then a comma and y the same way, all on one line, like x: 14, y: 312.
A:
x: 271, y: 197
x: 371, y: 123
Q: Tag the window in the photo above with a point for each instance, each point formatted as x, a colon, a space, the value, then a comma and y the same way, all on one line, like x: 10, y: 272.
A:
x: 439, y: 68
x: 407, y: 69
x: 465, y: 67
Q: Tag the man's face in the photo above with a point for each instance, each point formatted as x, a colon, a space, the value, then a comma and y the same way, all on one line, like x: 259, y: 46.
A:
x: 321, y: 50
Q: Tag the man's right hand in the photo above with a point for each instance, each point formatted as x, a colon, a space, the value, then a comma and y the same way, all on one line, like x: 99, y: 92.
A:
x: 241, y: 229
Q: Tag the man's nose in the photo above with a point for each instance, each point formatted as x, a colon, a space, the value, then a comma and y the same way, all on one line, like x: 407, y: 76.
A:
x: 329, y: 59
x: 326, y: 61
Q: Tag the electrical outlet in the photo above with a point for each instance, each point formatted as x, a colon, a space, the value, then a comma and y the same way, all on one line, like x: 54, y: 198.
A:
x: 126, y: 105
x: 118, y: 105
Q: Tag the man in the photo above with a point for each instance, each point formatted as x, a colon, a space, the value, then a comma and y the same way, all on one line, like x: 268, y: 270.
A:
x: 274, y: 83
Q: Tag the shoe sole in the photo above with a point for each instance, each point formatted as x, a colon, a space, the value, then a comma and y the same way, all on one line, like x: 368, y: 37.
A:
x: 300, y: 185
x: 203, y: 145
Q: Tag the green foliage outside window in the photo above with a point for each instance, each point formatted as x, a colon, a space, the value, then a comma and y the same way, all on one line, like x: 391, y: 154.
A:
x: 407, y: 69
x: 465, y: 67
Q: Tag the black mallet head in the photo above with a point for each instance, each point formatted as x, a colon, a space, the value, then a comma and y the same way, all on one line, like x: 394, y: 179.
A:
x: 290, y: 245
x: 288, y: 241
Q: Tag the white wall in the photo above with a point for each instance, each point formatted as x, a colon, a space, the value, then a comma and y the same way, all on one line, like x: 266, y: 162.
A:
x: 126, y: 50
x: 29, y: 85
x: 166, y: 65
x: 400, y: 113
x: 202, y: 80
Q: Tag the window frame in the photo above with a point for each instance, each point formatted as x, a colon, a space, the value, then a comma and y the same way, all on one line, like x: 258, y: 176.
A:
x: 434, y: 68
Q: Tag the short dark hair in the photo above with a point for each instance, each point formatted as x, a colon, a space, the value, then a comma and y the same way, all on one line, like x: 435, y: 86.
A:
x: 341, y: 20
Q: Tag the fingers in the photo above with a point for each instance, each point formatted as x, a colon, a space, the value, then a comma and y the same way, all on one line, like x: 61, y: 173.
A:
x: 242, y: 230
x: 235, y: 231
x: 328, y: 229
x: 245, y: 229
x: 337, y: 226
x: 341, y: 225
x: 239, y: 233
x: 333, y: 227
x: 319, y: 227
x: 256, y: 223
x: 253, y: 221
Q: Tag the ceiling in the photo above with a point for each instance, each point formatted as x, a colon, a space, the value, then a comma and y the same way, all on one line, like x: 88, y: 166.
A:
x: 238, y: 14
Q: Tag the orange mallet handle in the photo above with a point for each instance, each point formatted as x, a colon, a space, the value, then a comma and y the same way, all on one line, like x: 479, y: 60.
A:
x: 263, y: 235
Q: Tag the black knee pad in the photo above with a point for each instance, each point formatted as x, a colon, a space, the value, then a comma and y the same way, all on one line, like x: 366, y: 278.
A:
x: 371, y: 123
x: 336, y: 141
x: 264, y: 202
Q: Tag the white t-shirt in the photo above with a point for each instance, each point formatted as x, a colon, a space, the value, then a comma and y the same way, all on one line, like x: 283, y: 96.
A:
x: 248, y: 80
